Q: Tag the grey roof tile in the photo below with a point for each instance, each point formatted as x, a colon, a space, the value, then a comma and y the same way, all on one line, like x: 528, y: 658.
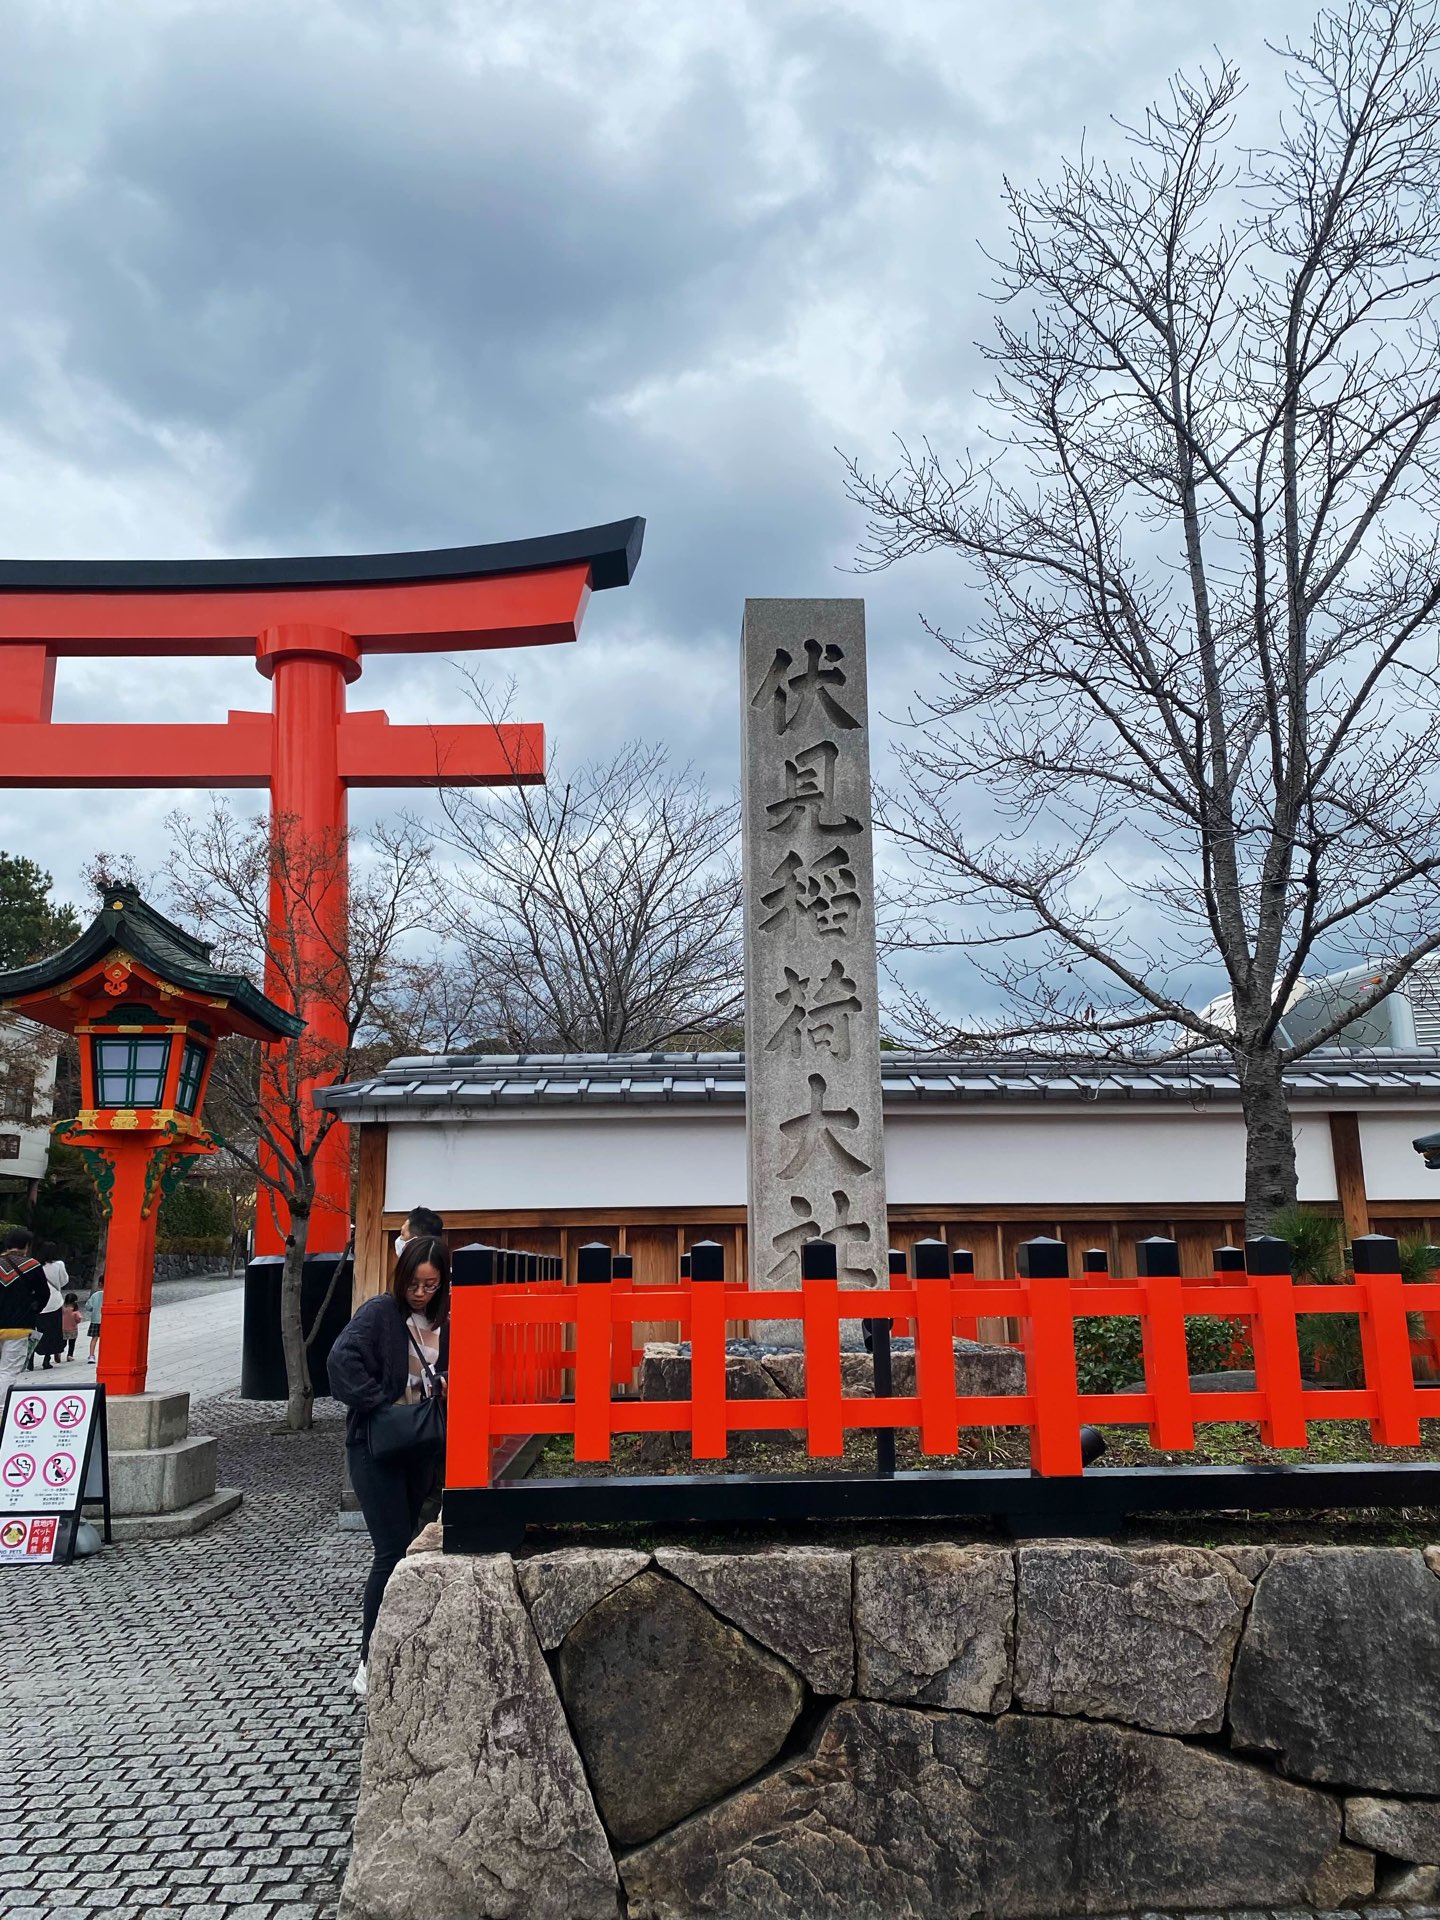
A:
x: 648, y: 1079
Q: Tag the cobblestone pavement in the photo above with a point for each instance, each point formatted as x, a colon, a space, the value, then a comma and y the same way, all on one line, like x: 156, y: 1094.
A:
x: 203, y: 1758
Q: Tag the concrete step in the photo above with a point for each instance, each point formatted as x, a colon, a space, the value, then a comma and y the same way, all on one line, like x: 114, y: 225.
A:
x: 132, y: 1527
x: 153, y: 1480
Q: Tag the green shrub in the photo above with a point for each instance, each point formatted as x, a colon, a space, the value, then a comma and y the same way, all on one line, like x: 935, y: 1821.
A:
x: 1109, y: 1356
x: 1330, y: 1344
x: 194, y: 1212
x: 1317, y: 1244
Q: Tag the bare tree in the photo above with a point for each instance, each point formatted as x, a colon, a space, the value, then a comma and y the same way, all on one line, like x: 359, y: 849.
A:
x: 1196, y: 721
x: 437, y: 1002
x: 259, y: 893
x: 602, y: 913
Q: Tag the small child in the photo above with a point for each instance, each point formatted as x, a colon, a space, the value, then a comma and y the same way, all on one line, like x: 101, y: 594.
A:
x: 70, y: 1323
x: 92, y: 1311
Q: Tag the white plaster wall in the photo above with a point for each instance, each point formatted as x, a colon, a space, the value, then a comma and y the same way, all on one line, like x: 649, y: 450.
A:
x: 983, y: 1157
x: 1084, y: 1156
x: 34, y: 1157
x: 625, y: 1159
x: 1393, y: 1169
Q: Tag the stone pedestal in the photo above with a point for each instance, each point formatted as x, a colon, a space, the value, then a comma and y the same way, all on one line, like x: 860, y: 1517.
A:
x: 162, y: 1477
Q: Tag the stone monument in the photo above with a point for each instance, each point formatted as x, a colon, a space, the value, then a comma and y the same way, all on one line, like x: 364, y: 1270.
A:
x: 814, y: 1132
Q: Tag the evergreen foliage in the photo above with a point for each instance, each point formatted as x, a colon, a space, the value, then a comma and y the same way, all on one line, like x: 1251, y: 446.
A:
x: 32, y: 925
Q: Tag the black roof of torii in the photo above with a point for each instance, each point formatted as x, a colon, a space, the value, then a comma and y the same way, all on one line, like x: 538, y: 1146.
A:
x: 129, y: 923
x: 612, y: 553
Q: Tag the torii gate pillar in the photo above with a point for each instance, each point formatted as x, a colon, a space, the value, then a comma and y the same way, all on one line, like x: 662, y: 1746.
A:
x: 308, y: 623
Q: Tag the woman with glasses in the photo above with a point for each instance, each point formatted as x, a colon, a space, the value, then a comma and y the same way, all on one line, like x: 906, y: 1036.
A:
x: 394, y: 1352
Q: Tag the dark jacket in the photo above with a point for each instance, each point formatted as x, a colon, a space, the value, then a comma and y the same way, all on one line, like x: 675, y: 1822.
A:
x: 370, y: 1362
x: 23, y: 1291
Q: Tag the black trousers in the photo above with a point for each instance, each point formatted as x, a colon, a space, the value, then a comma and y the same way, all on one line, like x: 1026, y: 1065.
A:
x: 391, y: 1494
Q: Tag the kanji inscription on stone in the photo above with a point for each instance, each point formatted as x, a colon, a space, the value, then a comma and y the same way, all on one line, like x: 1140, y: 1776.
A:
x: 812, y: 1035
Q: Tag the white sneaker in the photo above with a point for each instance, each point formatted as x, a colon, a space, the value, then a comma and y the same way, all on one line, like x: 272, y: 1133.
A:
x: 358, y: 1683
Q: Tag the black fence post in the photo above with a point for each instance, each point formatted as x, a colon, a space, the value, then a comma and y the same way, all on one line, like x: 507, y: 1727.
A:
x: 707, y: 1260
x: 474, y: 1266
x: 877, y: 1339
x: 1157, y: 1258
x: 593, y: 1263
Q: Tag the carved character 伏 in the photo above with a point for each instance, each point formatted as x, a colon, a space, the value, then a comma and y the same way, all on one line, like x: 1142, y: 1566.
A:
x: 793, y: 695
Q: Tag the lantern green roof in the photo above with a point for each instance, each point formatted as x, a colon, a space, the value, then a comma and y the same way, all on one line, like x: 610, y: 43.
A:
x: 129, y: 924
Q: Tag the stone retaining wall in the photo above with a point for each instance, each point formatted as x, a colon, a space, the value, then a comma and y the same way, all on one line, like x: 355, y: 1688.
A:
x: 927, y: 1730
x: 185, y: 1266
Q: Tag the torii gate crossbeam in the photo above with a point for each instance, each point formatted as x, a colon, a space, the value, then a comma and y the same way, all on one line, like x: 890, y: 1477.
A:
x: 308, y: 623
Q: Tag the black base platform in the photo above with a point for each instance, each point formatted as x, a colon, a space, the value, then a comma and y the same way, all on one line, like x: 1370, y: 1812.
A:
x: 494, y: 1519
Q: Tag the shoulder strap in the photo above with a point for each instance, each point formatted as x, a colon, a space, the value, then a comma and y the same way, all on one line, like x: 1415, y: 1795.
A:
x: 427, y: 1372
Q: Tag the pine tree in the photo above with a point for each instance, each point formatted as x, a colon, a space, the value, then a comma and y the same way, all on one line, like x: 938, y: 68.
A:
x: 31, y: 924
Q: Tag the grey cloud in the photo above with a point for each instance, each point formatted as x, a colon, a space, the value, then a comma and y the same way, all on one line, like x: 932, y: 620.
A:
x: 384, y: 273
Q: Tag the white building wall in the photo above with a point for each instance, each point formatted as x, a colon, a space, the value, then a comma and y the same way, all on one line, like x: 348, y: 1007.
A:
x: 28, y: 1141
x: 576, y: 1159
x: 1091, y: 1156
x: 1393, y: 1169
x: 1048, y: 1158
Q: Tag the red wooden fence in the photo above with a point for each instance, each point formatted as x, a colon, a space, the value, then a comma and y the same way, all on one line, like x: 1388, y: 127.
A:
x: 514, y: 1343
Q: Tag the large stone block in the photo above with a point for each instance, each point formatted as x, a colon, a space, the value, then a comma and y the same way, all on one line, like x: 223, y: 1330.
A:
x: 472, y: 1797
x: 794, y: 1600
x: 560, y: 1588
x: 1145, y: 1635
x: 671, y: 1707
x: 1339, y: 1668
x: 141, y: 1422
x: 979, y: 1368
x: 164, y: 1479
x: 1405, y: 1829
x: 665, y: 1375
x: 935, y: 1625
x: 787, y: 1371
x: 898, y: 1814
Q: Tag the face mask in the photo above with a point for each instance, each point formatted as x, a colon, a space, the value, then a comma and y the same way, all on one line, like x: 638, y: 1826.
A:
x: 400, y: 1244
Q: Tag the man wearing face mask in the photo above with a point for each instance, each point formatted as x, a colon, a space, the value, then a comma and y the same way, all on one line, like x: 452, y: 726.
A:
x: 421, y: 1223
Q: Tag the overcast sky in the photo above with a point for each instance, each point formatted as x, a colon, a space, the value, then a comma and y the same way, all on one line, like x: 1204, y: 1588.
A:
x: 374, y: 274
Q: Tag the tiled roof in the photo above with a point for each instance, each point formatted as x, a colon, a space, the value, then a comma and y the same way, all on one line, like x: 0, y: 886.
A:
x: 128, y: 922
x: 457, y: 1081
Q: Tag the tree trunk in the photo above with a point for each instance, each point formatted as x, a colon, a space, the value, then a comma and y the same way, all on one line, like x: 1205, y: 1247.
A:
x: 300, y: 1395
x: 1269, y: 1140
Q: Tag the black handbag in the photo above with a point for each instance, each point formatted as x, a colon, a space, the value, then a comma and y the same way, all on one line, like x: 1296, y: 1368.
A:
x: 412, y: 1427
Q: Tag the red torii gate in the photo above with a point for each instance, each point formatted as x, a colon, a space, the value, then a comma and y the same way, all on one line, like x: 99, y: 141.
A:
x: 309, y: 624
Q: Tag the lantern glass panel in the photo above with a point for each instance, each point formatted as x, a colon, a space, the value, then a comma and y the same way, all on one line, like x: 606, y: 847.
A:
x: 130, y: 1071
x: 192, y: 1068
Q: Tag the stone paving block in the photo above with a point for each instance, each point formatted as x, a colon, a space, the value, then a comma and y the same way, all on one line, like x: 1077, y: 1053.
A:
x: 203, y: 1748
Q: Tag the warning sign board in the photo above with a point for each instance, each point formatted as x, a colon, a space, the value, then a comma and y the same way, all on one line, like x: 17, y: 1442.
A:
x: 30, y: 1539
x: 44, y: 1440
